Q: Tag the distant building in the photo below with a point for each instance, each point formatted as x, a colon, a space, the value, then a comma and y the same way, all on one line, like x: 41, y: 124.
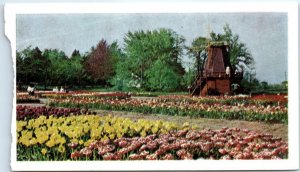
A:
x: 217, y: 76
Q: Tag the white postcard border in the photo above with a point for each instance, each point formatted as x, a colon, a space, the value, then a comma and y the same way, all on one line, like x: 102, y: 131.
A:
x: 11, y: 10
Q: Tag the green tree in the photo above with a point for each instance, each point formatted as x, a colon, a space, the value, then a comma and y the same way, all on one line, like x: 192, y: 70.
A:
x: 142, y: 49
x: 32, y: 66
x: 20, y: 71
x: 75, y: 69
x: 198, y: 52
x: 57, y: 70
x: 116, y: 55
x: 161, y: 77
x: 240, y: 56
x: 264, y: 85
x: 189, y: 78
x: 250, y: 83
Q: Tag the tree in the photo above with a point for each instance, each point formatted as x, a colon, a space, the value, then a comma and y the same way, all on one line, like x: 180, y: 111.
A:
x: 189, y: 78
x: 99, y: 63
x: 116, y: 55
x: 239, y: 55
x: 142, y: 50
x: 75, y: 53
x: 161, y: 77
x: 249, y: 82
x: 198, y: 52
x: 32, y: 66
x: 20, y: 71
x: 264, y: 85
x: 58, y: 67
x: 75, y: 69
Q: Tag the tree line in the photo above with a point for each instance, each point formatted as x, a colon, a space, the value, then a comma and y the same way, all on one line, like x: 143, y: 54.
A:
x: 149, y: 60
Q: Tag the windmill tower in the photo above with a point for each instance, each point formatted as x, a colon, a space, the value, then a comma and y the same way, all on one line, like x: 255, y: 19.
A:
x: 217, y: 76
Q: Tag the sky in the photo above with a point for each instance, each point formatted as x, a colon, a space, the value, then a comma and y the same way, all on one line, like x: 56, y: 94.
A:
x: 265, y: 34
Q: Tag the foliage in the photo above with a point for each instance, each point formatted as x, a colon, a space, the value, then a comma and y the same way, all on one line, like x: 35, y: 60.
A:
x: 99, y: 64
x: 150, y: 60
x: 143, y: 50
x: 239, y: 55
x: 198, y: 52
x: 162, y: 77
x: 53, y: 67
x: 189, y: 78
x: 75, y: 69
x: 251, y: 84
x: 63, y: 70
x: 32, y: 66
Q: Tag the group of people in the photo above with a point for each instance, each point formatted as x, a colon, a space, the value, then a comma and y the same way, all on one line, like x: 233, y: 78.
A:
x: 236, y: 72
x: 31, y: 89
x: 55, y: 89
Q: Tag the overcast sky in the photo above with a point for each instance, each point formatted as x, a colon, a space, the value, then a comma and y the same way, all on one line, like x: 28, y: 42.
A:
x: 265, y: 34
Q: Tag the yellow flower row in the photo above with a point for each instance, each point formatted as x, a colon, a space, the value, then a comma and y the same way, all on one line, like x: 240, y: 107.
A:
x: 82, y: 130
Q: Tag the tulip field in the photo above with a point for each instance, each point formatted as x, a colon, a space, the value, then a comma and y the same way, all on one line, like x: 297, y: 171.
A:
x: 71, y: 126
x: 220, y: 108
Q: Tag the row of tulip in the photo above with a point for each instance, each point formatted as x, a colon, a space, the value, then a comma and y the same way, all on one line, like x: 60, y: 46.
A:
x: 54, y: 133
x: 260, y: 100
x: 96, y: 137
x: 29, y: 112
x: 182, y: 108
x: 108, y: 95
x: 25, y: 98
x: 264, y: 100
x: 225, y: 144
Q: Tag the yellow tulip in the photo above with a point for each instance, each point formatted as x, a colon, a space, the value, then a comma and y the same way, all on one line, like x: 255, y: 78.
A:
x: 81, y: 142
x: 61, y: 148
x: 44, y: 151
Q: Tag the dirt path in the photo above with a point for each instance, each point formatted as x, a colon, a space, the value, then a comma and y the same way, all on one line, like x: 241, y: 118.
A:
x: 278, y: 130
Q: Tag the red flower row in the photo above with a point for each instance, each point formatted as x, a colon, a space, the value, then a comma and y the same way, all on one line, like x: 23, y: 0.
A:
x: 227, y: 143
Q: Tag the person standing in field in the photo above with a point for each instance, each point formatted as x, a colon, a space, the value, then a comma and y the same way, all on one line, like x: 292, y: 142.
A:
x: 227, y: 71
x: 30, y: 90
x: 62, y: 89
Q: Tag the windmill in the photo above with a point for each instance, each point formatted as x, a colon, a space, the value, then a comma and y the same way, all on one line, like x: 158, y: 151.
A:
x: 216, y: 75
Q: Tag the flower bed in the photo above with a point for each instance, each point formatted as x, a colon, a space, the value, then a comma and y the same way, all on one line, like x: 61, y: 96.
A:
x: 260, y: 100
x: 183, y: 107
x: 25, y: 98
x: 279, y: 98
x: 226, y: 144
x: 108, y: 95
x: 47, y: 138
x: 27, y: 112
x: 95, y: 137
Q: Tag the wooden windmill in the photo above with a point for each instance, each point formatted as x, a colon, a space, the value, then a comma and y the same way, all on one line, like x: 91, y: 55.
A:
x: 217, y: 76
